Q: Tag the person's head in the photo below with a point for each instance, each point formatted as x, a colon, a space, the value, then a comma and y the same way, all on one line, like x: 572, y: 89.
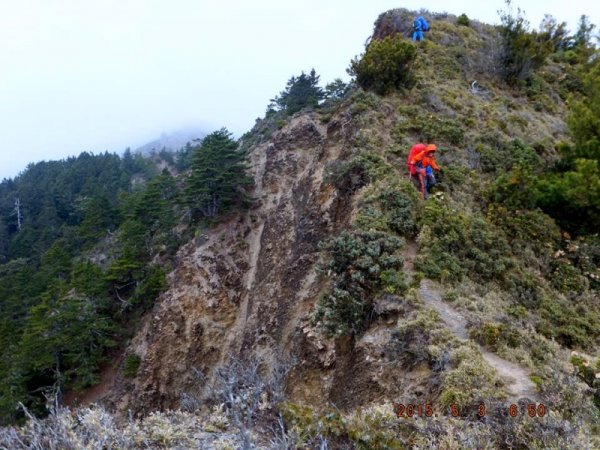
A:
x: 431, y: 149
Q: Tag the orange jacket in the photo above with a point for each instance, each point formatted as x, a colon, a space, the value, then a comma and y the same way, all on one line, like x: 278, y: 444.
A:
x: 426, y: 158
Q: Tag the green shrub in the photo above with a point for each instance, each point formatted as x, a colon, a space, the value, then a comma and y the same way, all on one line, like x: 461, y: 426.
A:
x: 570, y: 326
x: 494, y: 335
x: 573, y: 197
x: 523, y: 51
x: 463, y: 20
x: 584, y: 254
x: 567, y: 278
x: 363, y: 101
x: 360, y: 171
x: 386, y: 65
x: 497, y: 155
x: 361, y: 264
x: 131, y: 364
x: 392, y: 207
x: 585, y: 370
x: 515, y: 189
x: 525, y: 228
x: 469, y: 381
x: 410, y: 342
x: 432, y: 128
x: 518, y: 312
x: 457, y: 244
x: 525, y: 289
x: 454, y: 175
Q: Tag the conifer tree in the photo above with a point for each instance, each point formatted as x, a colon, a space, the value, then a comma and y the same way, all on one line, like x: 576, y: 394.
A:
x: 300, y: 92
x: 218, y: 179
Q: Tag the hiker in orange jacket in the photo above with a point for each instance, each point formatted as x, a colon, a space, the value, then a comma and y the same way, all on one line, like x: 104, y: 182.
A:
x: 421, y: 164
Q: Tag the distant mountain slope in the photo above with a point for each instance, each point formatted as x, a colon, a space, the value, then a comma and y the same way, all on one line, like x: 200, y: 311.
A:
x: 173, y: 141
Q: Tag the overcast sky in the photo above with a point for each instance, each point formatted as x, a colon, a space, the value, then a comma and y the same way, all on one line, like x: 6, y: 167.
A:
x: 91, y: 75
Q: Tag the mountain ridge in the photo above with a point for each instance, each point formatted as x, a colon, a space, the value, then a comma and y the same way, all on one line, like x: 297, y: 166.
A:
x: 339, y: 295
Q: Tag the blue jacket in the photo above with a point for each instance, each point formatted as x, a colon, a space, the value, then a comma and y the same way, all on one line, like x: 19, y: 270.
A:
x: 420, y: 24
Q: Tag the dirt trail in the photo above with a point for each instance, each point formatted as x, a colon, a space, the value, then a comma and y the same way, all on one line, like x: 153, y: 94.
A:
x: 516, y: 378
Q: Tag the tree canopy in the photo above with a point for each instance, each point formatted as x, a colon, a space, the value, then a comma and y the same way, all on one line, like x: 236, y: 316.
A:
x: 300, y: 92
x: 217, y: 180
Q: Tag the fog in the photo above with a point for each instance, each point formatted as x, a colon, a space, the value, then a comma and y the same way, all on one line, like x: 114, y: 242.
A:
x: 105, y: 75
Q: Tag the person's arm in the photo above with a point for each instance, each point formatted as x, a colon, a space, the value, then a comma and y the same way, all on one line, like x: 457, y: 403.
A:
x: 413, y: 163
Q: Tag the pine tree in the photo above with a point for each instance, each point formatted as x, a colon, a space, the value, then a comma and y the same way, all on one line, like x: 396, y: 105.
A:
x: 299, y: 93
x: 218, y: 179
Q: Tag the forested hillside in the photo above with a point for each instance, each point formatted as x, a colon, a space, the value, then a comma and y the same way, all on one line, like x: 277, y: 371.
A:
x: 294, y: 289
x: 86, y: 245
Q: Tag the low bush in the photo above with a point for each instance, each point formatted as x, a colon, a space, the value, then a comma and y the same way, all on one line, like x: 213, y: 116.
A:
x: 363, y: 101
x: 373, y: 428
x: 495, y: 335
x: 496, y: 155
x: 567, y: 278
x: 456, y: 244
x: 526, y: 228
x: 96, y: 428
x: 360, y: 171
x: 525, y: 288
x: 515, y: 189
x: 361, y: 264
x: 571, y: 326
x: 432, y: 128
x: 386, y: 65
x: 418, y: 339
x: 463, y: 20
x: 470, y: 380
x: 585, y: 370
x: 392, y: 206
x: 584, y: 254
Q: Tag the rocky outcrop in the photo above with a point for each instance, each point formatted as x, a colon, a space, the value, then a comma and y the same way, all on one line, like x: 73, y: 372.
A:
x: 245, y: 288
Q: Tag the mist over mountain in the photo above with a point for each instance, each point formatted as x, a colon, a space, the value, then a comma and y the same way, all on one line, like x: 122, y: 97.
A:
x: 173, y: 141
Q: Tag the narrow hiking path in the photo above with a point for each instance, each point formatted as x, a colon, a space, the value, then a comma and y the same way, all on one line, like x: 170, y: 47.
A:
x: 518, y: 384
x: 516, y: 378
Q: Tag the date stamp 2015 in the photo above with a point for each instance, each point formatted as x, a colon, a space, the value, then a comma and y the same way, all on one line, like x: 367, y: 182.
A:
x: 424, y: 410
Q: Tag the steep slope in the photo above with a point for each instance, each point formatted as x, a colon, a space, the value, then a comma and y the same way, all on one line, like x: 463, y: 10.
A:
x: 246, y: 289
x: 242, y: 288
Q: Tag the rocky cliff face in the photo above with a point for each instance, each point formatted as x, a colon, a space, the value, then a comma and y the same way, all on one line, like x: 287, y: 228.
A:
x: 245, y: 288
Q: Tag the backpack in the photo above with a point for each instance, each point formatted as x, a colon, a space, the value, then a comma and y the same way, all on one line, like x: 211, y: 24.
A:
x: 415, y: 149
x: 424, y: 24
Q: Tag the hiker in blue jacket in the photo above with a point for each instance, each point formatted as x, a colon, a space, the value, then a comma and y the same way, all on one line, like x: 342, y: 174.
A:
x: 420, y: 26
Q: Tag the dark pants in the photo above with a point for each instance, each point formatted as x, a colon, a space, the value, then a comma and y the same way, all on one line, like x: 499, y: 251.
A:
x: 429, y: 183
